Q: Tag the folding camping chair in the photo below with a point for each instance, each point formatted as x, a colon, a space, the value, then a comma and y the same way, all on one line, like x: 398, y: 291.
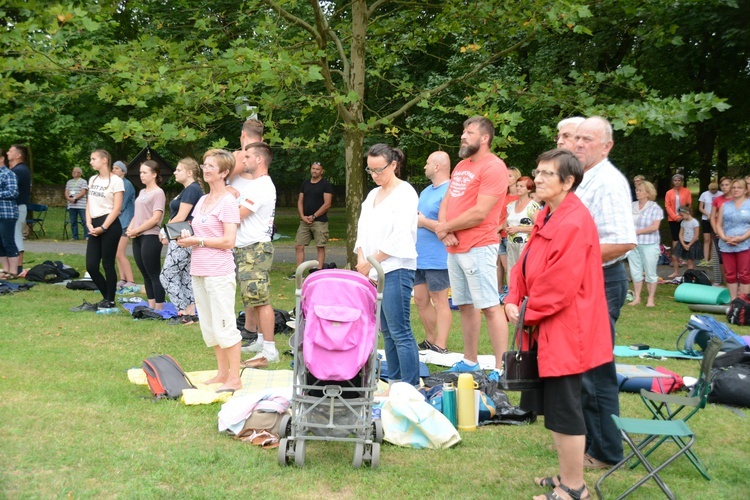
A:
x: 677, y: 430
x: 35, y: 218
x: 671, y: 406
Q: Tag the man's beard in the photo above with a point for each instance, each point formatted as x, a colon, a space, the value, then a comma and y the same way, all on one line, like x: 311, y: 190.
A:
x: 468, y: 150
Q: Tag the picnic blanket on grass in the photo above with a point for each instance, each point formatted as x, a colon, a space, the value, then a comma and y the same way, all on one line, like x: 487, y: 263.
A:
x: 252, y: 381
x: 624, y: 351
x: 486, y: 361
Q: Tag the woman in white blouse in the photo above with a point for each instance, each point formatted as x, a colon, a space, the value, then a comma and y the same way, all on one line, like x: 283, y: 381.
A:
x: 647, y: 216
x: 387, y: 231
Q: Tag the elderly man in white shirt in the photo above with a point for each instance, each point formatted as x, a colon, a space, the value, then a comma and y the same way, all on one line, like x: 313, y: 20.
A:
x: 606, y: 193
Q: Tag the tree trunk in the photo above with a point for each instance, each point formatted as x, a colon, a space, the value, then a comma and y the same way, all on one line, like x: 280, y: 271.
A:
x: 354, y: 136
x: 705, y: 136
x: 354, y: 142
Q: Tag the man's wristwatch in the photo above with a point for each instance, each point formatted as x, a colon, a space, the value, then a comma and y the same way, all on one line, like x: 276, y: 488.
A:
x: 313, y: 216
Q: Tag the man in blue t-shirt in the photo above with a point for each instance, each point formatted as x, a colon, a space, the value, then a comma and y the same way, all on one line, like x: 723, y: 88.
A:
x: 17, y: 157
x: 431, y: 281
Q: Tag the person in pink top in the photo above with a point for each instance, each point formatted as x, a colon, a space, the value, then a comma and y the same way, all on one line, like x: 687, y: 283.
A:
x: 215, y: 220
x: 144, y: 231
x: 725, y: 184
x: 467, y: 224
x: 675, y: 198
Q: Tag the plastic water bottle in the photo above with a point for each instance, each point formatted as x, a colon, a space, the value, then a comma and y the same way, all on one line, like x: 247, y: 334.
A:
x: 108, y: 310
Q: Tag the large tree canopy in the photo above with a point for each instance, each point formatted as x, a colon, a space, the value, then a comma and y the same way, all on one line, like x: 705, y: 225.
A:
x: 328, y: 78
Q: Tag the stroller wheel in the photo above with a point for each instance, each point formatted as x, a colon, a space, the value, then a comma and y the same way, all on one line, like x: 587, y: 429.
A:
x: 377, y: 426
x: 375, y: 458
x: 285, y: 426
x: 359, y: 453
x: 299, y: 452
x: 282, y: 453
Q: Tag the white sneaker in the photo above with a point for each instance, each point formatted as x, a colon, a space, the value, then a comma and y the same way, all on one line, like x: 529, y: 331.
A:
x: 256, y: 346
x: 271, y: 357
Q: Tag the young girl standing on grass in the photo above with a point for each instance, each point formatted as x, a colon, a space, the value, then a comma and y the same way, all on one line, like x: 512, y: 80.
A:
x: 144, y: 231
x: 689, y: 248
x: 102, y: 211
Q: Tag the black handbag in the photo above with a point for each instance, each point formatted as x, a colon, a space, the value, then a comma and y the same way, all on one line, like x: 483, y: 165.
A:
x: 174, y: 229
x: 521, y: 367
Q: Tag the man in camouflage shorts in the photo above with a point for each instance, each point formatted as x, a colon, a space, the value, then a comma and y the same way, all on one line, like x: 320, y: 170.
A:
x: 253, y: 253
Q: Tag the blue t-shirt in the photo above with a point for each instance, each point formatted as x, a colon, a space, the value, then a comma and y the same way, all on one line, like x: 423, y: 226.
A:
x: 23, y: 175
x: 189, y: 195
x: 431, y: 253
x: 128, y: 205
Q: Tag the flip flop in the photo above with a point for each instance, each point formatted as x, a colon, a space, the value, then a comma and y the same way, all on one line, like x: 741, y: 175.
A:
x: 225, y: 390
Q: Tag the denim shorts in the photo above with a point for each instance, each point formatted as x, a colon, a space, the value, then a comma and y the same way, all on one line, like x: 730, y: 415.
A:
x: 473, y: 277
x: 436, y: 279
x: 502, y: 249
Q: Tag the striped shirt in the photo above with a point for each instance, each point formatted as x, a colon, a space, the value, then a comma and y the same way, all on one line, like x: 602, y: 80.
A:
x: 213, y: 261
x: 644, y: 218
x: 605, y: 192
x: 8, y: 194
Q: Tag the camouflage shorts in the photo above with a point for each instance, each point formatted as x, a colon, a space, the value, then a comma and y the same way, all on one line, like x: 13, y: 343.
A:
x: 253, y: 265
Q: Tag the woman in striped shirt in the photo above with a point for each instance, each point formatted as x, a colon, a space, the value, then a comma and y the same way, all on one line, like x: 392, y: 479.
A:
x: 215, y: 220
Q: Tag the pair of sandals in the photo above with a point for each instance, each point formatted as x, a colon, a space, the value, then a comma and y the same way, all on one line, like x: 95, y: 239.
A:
x: 263, y: 438
x: 555, y: 482
x: 4, y: 275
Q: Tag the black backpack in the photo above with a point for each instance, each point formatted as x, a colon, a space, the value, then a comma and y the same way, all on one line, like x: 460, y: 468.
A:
x: 730, y: 379
x: 739, y: 310
x: 697, y: 277
x: 51, y: 272
x: 165, y: 377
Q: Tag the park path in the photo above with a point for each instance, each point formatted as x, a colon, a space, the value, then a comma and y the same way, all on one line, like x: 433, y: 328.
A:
x: 282, y: 254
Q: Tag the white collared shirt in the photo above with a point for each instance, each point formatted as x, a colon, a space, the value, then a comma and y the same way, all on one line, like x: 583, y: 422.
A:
x: 605, y: 192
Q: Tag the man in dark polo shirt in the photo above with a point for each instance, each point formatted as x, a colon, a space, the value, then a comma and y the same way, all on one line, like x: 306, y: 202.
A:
x: 315, y: 197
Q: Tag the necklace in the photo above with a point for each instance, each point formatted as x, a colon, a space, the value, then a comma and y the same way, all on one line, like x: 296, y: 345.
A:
x: 208, y: 205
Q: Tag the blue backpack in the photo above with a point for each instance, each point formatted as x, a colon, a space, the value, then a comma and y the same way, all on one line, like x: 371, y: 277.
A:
x: 701, y: 329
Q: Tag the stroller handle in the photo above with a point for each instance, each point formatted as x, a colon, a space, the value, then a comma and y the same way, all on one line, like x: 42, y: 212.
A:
x: 300, y: 274
x: 379, y: 269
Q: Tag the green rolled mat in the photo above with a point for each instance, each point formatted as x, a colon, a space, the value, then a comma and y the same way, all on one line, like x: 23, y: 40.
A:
x: 701, y: 294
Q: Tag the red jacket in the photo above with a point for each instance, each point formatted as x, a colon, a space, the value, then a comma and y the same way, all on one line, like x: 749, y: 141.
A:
x: 560, y: 270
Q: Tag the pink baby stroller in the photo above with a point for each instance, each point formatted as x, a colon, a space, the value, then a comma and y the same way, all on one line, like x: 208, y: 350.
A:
x: 335, y: 365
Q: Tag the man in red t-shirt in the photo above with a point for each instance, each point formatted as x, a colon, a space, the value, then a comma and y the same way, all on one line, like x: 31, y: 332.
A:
x: 467, y: 224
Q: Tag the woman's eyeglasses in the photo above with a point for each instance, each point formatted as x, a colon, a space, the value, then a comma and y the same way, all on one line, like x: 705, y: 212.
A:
x: 543, y: 173
x: 376, y: 171
x: 206, y: 166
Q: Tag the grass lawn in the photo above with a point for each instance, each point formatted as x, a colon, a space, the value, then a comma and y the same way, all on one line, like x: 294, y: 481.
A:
x: 73, y: 426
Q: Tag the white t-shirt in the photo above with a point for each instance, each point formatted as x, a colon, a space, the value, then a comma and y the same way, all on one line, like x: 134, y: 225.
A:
x: 259, y: 196
x: 688, y: 229
x: 707, y: 198
x: 102, y: 194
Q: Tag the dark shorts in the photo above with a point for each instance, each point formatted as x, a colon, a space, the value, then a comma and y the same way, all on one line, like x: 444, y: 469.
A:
x: 502, y: 249
x: 674, y: 229
x: 436, y: 279
x: 706, y: 226
x: 563, y: 410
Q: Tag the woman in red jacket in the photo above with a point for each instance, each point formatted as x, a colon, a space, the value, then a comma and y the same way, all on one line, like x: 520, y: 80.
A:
x: 561, y: 274
x: 675, y: 198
